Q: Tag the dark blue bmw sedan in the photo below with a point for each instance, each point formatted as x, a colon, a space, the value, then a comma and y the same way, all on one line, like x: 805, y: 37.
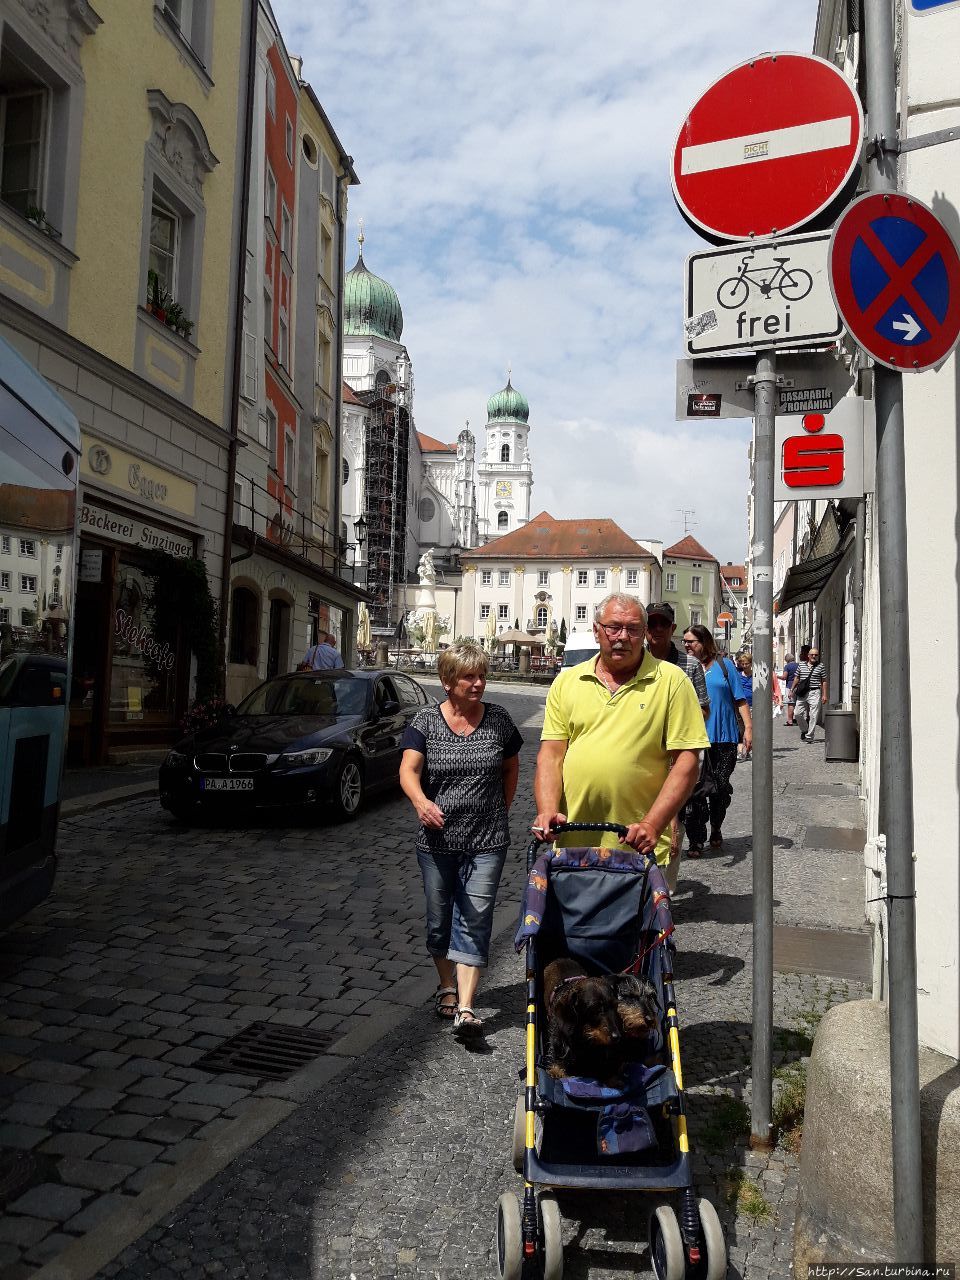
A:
x: 309, y: 739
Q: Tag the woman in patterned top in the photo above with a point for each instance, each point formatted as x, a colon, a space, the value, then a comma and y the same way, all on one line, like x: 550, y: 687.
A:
x: 459, y: 771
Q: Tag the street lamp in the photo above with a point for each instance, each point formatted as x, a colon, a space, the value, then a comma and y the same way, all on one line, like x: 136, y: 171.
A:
x: 360, y: 533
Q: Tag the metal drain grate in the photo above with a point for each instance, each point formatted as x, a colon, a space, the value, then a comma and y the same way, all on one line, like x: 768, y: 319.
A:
x: 267, y: 1050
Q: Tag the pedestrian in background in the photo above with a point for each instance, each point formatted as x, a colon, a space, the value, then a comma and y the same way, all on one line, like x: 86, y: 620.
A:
x: 745, y: 667
x: 459, y: 771
x: 789, y: 672
x: 810, y: 687
x: 661, y: 626
x: 323, y: 656
x: 728, y: 708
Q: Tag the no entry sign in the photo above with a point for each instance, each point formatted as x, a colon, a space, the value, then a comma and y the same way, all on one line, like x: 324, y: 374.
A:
x: 770, y: 147
x: 895, y: 276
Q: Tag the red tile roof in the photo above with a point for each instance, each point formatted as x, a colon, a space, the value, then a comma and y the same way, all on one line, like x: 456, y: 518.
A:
x: 346, y: 393
x: 429, y: 444
x: 688, y: 548
x: 735, y: 571
x: 584, y: 539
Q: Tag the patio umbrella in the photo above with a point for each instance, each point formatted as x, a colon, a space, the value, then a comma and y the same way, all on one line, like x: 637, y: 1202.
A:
x: 490, y: 634
x: 363, y: 627
x: 518, y: 637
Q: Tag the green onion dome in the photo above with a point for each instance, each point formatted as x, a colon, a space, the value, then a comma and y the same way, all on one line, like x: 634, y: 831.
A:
x: 370, y: 305
x: 508, y: 405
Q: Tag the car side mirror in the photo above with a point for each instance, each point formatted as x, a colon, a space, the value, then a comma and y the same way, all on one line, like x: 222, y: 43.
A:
x: 390, y: 707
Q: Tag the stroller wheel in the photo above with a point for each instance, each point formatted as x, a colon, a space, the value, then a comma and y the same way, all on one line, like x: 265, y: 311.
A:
x: 519, y: 1134
x: 714, y: 1244
x: 666, y: 1244
x: 508, y: 1242
x: 551, y: 1227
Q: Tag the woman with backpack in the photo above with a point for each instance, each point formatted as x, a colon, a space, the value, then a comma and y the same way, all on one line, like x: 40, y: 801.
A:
x: 728, y: 708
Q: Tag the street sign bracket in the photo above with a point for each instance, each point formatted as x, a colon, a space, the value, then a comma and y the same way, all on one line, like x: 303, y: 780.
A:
x: 749, y: 383
x: 880, y: 146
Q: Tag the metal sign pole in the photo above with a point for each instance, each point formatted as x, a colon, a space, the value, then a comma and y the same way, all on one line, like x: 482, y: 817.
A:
x: 896, y: 765
x: 761, y: 554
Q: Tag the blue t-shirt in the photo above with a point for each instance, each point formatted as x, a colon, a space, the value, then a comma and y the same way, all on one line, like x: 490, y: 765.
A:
x: 723, y: 722
x: 789, y: 671
x: 747, y: 682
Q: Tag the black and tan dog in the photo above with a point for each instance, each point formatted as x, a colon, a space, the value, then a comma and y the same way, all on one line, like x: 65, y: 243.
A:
x: 639, y: 1012
x: 584, y: 1031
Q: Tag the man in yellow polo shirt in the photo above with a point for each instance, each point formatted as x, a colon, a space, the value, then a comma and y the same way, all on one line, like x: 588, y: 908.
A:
x: 621, y: 741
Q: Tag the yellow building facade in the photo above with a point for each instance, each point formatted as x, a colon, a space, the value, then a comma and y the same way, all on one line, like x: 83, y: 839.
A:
x: 122, y: 131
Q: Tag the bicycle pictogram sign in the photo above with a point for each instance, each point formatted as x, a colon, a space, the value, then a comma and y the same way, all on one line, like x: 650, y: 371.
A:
x: 792, y: 283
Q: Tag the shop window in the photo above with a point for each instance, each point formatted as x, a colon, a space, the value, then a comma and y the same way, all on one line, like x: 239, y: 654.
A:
x: 144, y: 671
x: 244, y: 627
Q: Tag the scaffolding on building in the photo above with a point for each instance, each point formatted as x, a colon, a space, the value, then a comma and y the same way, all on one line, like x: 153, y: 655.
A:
x: 386, y: 456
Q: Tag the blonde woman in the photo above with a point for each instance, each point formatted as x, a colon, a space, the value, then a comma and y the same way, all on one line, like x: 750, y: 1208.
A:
x: 459, y: 771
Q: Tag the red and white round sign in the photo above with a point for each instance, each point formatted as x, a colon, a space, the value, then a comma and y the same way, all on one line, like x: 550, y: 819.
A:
x: 769, y: 148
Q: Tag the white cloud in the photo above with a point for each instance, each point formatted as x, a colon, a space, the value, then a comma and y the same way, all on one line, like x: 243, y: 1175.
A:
x: 514, y: 162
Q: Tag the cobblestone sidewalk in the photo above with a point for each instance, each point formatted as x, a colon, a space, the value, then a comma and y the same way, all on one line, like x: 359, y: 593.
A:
x: 393, y: 1169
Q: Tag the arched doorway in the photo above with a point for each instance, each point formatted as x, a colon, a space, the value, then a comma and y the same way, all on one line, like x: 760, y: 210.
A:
x: 278, y: 638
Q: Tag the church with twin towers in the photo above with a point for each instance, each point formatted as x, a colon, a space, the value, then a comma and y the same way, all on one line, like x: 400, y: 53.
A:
x: 414, y: 490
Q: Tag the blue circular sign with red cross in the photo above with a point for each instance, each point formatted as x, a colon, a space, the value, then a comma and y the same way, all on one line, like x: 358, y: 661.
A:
x: 895, y: 276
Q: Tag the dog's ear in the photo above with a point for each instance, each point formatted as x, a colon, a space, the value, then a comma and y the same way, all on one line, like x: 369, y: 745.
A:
x: 563, y: 1027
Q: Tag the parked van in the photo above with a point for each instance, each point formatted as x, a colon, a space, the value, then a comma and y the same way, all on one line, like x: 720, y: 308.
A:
x: 580, y: 646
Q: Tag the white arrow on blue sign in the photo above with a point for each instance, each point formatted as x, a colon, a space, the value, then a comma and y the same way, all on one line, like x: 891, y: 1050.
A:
x: 922, y: 7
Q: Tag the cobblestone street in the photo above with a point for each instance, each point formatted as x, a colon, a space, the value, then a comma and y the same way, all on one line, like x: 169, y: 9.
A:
x: 385, y: 1156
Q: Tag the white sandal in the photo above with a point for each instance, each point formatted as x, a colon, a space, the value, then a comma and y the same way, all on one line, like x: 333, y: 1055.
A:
x: 466, y: 1022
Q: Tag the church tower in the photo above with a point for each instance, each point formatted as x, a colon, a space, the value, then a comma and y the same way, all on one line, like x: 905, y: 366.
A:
x: 504, y: 473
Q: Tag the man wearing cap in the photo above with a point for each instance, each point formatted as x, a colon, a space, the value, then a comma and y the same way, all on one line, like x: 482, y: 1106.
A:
x: 621, y: 740
x: 661, y: 624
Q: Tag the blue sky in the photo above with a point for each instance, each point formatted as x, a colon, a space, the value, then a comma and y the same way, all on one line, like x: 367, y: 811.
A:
x: 515, y: 191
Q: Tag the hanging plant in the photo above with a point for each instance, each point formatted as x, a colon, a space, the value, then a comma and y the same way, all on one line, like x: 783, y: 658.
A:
x: 182, y: 604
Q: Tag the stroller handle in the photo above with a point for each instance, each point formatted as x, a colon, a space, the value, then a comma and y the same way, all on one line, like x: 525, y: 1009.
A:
x: 617, y: 827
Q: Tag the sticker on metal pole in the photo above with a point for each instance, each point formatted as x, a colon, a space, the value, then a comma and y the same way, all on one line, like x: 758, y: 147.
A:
x: 895, y: 276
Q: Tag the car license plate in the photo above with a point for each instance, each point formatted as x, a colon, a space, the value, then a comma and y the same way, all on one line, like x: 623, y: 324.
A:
x: 226, y: 784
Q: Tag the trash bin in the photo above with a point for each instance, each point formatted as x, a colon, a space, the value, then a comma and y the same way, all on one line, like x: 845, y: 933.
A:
x: 840, y: 734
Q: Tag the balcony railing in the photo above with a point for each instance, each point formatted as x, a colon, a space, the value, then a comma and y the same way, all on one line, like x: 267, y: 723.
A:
x: 277, y: 521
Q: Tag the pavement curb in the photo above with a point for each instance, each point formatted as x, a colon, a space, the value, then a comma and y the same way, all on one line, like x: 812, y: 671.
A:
x: 86, y: 804
x: 83, y: 1259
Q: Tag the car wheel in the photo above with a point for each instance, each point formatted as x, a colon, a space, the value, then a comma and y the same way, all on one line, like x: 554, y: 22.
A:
x: 182, y: 811
x: 348, y: 796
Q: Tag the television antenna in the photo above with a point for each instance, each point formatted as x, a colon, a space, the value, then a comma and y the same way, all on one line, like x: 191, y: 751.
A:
x: 688, y: 515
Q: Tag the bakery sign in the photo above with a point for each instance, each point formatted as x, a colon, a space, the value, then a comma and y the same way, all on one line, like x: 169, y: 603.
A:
x: 122, y: 528
x: 108, y: 466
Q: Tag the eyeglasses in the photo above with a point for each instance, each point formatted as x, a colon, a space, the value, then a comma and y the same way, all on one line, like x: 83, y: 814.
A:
x: 688, y: 643
x: 621, y: 628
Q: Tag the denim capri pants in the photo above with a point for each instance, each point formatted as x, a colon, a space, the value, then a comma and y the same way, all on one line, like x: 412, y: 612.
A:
x: 461, y: 892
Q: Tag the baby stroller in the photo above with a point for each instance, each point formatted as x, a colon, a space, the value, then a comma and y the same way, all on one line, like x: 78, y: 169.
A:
x: 608, y: 909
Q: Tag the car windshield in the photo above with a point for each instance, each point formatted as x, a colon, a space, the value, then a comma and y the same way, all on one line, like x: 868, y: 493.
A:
x: 307, y: 696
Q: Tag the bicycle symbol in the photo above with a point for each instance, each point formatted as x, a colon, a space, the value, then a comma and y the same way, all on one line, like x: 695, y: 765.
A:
x: 792, y: 284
